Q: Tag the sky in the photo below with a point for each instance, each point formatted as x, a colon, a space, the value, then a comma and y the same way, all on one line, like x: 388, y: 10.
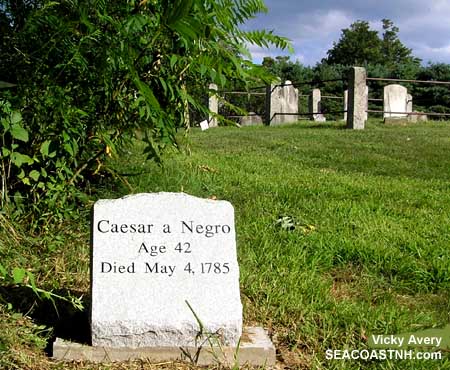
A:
x: 313, y: 25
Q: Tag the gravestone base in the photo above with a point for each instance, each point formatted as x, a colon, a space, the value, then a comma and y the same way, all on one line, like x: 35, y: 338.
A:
x: 255, y: 348
x: 399, y: 121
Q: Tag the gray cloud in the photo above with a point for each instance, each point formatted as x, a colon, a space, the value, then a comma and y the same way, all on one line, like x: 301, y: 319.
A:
x: 313, y: 26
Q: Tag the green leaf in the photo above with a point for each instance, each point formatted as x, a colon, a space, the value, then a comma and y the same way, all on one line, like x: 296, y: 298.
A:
x: 44, y: 147
x: 5, y: 124
x: 146, y: 92
x: 179, y: 10
x: 3, y: 271
x: 19, y: 159
x: 5, y: 152
x: 32, y: 280
x: 186, y: 29
x: 68, y: 148
x: 18, y: 132
x: 18, y: 275
x: 34, y: 175
x: 173, y: 61
x: 16, y: 117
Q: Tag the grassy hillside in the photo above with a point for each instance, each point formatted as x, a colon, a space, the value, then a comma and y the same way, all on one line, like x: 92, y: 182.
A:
x: 341, y: 235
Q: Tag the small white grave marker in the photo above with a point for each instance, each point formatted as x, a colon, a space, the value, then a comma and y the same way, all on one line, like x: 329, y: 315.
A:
x: 152, y: 255
x: 204, y: 125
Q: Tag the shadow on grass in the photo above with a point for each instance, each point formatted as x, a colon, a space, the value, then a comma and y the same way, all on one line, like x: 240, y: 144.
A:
x: 67, y: 322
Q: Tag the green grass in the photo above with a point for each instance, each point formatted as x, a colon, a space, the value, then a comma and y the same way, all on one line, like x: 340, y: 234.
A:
x: 369, y: 253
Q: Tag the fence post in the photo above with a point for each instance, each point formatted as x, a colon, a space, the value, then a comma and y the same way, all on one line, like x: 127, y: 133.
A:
x: 366, y: 102
x: 345, y: 104
x: 357, y: 99
x: 213, y: 106
x: 268, y: 105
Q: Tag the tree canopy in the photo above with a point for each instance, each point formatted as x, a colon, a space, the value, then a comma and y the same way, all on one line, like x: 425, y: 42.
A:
x: 360, y: 45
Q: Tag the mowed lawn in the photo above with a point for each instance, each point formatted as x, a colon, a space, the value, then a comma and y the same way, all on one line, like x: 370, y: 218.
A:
x: 340, y: 234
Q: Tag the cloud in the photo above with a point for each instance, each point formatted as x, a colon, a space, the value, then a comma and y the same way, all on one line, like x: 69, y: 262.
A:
x: 311, y: 34
x: 314, y: 25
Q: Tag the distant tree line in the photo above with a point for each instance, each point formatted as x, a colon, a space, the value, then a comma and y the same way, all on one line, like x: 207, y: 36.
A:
x: 382, y: 55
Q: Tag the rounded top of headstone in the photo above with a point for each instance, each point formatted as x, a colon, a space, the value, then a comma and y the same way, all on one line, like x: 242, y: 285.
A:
x: 160, y: 197
x: 396, y: 87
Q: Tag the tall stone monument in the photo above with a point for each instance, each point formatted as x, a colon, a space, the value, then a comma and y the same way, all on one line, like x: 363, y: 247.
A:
x: 357, y: 99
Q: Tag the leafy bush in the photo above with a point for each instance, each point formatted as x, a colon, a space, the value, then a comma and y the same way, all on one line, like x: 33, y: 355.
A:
x: 90, y: 72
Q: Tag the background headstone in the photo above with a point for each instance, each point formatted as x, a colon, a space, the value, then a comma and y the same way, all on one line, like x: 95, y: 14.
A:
x: 153, y: 253
x: 213, y: 106
x: 414, y: 118
x: 409, y: 103
x: 422, y: 117
x: 315, y: 106
x: 395, y: 100
x: 251, y: 120
x: 284, y: 99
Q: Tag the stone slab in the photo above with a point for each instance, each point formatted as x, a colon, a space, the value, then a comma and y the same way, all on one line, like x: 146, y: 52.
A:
x: 409, y: 103
x: 417, y: 117
x: 251, y: 120
x: 399, y: 121
x: 315, y: 106
x: 255, y: 348
x: 284, y: 104
x: 395, y: 101
x: 162, y: 263
x: 357, y: 99
x: 213, y: 105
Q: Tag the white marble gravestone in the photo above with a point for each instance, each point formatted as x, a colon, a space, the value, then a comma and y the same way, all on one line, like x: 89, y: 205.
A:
x: 284, y: 104
x: 315, y: 106
x: 153, y: 256
x: 395, y: 101
x: 213, y: 105
x: 252, y: 119
x: 409, y: 103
